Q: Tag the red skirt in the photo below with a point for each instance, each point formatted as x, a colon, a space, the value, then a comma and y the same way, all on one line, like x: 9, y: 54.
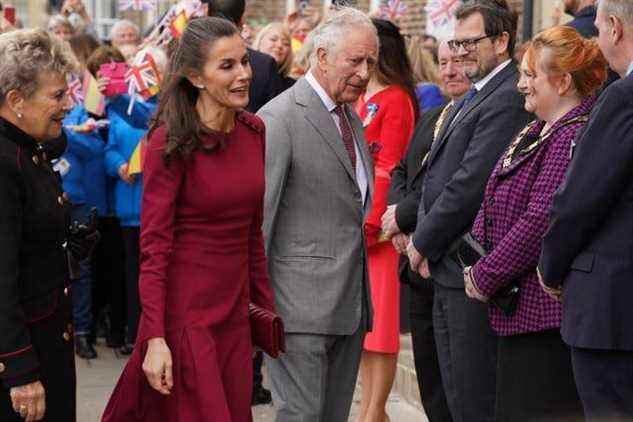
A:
x: 212, y: 380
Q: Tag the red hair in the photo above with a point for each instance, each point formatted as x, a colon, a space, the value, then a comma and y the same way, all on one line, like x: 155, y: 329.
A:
x: 564, y: 50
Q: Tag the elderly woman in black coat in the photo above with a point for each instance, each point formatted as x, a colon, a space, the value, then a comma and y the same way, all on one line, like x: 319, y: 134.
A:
x: 37, y: 368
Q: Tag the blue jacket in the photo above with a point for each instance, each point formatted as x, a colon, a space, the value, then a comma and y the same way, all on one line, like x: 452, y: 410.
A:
x: 123, y: 139
x: 82, y: 165
x: 429, y: 96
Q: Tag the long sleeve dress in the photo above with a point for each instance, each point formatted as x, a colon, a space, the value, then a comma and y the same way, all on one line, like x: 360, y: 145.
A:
x: 202, y: 262
x: 389, y: 120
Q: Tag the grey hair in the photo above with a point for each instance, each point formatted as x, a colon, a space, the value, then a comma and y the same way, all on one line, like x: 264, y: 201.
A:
x: 623, y: 9
x: 331, y: 32
x: 59, y: 20
x: 159, y: 56
x: 122, y: 24
x: 27, y: 53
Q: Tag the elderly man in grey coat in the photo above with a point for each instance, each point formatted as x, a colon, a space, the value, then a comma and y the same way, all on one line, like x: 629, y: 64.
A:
x: 319, y: 183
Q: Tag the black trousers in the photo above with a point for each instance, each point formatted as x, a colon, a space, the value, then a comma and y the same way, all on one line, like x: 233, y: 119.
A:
x: 605, y: 384
x: 131, y: 242
x: 56, y: 357
x: 535, y: 381
x: 109, y: 277
x: 427, y: 367
x: 467, y: 352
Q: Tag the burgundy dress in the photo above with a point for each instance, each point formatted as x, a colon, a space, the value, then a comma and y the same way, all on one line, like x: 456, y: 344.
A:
x: 202, y: 261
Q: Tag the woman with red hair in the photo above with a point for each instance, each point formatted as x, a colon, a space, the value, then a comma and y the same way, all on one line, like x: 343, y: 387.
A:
x: 560, y: 75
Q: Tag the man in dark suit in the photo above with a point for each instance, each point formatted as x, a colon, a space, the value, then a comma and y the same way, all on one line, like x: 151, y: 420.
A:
x: 584, y: 13
x: 469, y: 143
x: 267, y: 82
x: 399, y: 222
x: 587, y: 248
x: 265, y: 86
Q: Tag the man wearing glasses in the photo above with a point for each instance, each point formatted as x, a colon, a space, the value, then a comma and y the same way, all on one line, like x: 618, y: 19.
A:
x: 469, y: 143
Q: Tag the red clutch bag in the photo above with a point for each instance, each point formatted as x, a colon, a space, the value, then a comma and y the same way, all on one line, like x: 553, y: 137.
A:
x: 267, y: 330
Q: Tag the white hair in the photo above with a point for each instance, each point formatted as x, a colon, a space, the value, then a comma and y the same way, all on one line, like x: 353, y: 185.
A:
x: 123, y: 24
x: 330, y: 34
x: 623, y: 9
x: 59, y: 20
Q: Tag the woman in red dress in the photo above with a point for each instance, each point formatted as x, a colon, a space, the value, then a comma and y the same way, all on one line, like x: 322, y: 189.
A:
x: 202, y: 253
x: 389, y: 110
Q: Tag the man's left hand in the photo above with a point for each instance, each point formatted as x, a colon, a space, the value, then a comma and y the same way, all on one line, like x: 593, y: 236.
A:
x: 415, y: 258
x: 389, y: 224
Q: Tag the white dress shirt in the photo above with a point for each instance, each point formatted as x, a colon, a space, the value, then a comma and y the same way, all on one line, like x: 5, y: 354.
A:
x: 482, y: 83
x: 330, y: 105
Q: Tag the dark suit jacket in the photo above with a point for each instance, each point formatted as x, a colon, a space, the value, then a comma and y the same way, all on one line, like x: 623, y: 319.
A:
x: 583, y: 22
x: 589, y: 244
x: 459, y: 166
x: 266, y: 83
x: 406, y: 184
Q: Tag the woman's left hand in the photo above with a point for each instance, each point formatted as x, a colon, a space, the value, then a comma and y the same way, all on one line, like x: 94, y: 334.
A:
x: 554, y: 293
x: 471, y: 289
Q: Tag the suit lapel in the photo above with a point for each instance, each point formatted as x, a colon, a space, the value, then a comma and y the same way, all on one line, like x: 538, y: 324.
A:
x: 322, y: 121
x: 507, y: 72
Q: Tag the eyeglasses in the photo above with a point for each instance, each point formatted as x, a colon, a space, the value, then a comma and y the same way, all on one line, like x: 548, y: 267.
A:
x: 469, y: 44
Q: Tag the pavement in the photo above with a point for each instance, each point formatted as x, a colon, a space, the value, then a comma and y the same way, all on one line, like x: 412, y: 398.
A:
x: 96, y: 379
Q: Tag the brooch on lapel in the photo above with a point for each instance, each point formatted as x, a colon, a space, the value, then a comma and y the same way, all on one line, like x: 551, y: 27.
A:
x: 372, y: 110
x: 375, y: 147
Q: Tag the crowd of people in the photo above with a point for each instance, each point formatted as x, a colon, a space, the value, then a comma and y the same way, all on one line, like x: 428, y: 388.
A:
x: 309, y: 168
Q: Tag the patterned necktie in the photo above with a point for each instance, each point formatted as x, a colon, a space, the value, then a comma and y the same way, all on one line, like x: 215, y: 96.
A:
x: 461, y: 105
x: 346, y: 134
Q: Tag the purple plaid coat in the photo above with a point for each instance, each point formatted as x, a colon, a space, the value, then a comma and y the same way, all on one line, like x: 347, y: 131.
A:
x: 514, y: 217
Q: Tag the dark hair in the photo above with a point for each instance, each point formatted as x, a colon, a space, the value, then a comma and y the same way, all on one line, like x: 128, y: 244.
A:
x: 177, y: 105
x: 102, y: 55
x: 498, y: 18
x: 83, y: 45
x: 232, y: 10
x: 394, y: 67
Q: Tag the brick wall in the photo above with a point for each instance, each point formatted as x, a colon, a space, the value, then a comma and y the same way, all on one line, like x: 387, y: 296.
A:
x: 412, y: 23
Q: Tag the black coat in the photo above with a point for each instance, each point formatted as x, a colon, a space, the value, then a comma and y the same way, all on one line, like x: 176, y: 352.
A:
x: 459, y: 166
x: 406, y: 185
x: 583, y: 22
x: 589, y: 244
x: 36, y: 341
x: 266, y: 83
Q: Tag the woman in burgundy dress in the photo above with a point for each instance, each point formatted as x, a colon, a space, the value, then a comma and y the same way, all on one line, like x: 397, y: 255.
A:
x: 202, y: 254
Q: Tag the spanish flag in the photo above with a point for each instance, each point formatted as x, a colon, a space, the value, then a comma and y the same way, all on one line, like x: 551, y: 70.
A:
x: 178, y: 25
x: 135, y: 165
x: 94, y: 101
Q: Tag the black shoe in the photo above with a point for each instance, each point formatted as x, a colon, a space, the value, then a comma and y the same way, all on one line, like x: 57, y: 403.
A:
x: 126, y: 349
x: 83, y: 348
x: 261, y: 396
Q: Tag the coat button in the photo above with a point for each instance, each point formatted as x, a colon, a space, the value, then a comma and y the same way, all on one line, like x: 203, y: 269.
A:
x: 66, y: 336
x: 36, y: 160
x: 2, y: 367
x: 66, y: 291
x: 60, y: 200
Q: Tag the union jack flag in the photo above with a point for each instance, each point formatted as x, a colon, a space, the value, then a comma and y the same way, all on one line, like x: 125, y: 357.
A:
x: 393, y: 10
x: 442, y: 12
x: 75, y: 89
x: 143, y: 77
x: 137, y: 4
